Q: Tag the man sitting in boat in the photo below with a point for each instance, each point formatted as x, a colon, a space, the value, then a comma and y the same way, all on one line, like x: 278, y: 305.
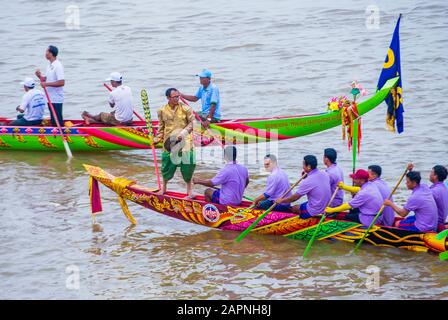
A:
x: 421, y: 202
x: 440, y: 193
x: 316, y: 186
x: 277, y: 184
x: 120, y: 98
x: 233, y: 178
x: 208, y: 93
x: 176, y: 123
x: 388, y: 214
x: 365, y: 204
x: 32, y: 106
x: 335, y: 174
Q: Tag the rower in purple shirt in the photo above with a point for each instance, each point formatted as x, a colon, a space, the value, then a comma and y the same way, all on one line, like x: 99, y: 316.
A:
x: 388, y: 214
x: 316, y: 186
x: 440, y: 193
x: 365, y: 204
x: 421, y: 202
x: 336, y: 175
x: 233, y: 178
x: 277, y: 184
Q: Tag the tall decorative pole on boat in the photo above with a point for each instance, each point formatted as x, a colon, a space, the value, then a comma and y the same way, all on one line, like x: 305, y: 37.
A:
x: 53, y: 111
x: 135, y: 113
x: 316, y: 230
x: 254, y: 224
x: 409, y: 166
x: 145, y: 103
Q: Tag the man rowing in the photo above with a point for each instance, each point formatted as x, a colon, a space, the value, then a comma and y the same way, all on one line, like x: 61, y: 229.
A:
x: 335, y: 174
x: 316, y: 187
x: 120, y: 98
x: 388, y: 214
x: 365, y: 204
x: 208, y: 93
x: 54, y: 81
x: 277, y: 184
x: 32, y: 106
x: 440, y: 193
x: 233, y: 179
x: 421, y: 202
x: 176, y: 127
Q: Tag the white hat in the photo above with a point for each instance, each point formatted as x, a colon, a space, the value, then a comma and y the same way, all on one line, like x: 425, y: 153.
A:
x: 29, y: 82
x: 115, y: 76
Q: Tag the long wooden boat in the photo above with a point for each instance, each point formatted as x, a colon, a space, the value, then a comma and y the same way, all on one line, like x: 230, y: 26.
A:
x: 231, y: 218
x: 99, y: 137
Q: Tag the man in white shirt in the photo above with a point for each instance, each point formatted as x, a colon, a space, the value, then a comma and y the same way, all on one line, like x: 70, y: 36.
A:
x: 54, y: 81
x: 120, y: 98
x: 32, y: 106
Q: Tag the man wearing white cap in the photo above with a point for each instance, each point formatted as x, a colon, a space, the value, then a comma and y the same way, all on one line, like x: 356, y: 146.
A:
x: 32, y: 106
x: 120, y: 98
x: 208, y: 93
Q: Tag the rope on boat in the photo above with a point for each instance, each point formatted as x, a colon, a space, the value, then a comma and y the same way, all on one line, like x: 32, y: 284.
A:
x: 119, y: 185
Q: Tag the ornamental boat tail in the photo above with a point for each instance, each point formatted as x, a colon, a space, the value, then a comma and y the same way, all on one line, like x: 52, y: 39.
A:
x: 231, y: 218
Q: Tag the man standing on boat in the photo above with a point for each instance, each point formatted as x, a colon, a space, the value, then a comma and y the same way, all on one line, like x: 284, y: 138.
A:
x: 335, y: 174
x: 388, y: 215
x: 316, y: 186
x: 365, y: 204
x: 208, y: 93
x: 176, y: 124
x: 277, y: 184
x: 32, y: 106
x: 120, y: 98
x: 233, y: 178
x: 421, y: 202
x: 54, y: 81
x: 440, y: 193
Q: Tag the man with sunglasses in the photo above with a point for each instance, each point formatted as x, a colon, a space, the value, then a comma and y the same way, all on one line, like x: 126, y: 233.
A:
x: 176, y: 124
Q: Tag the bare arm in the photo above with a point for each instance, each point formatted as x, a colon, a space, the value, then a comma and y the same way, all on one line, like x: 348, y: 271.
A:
x: 212, y: 110
x: 289, y: 199
x: 189, y: 98
x: 207, y: 183
x: 59, y: 83
x: 161, y: 128
x: 400, y: 211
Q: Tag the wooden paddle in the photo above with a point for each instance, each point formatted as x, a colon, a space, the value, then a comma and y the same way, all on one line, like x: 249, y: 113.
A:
x: 248, y: 229
x: 135, y: 113
x: 380, y: 211
x: 202, y: 123
x: 145, y: 103
x: 64, y: 138
x: 310, y: 243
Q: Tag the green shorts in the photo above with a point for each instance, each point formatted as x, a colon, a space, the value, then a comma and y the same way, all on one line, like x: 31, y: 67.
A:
x: 185, y: 160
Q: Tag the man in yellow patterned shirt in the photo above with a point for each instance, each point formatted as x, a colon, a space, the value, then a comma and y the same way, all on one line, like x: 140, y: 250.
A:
x: 176, y: 124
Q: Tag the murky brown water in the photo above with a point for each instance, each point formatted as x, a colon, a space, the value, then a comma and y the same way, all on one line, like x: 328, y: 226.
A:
x: 270, y: 58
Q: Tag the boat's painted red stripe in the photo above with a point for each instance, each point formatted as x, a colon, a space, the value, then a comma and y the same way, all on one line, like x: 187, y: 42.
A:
x: 112, y: 139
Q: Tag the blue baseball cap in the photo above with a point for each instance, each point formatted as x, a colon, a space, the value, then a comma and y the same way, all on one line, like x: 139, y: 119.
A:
x: 205, y: 74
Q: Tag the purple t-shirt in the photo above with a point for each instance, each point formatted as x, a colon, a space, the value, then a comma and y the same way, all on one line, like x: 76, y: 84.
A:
x: 277, y: 184
x: 388, y: 215
x: 232, y: 178
x: 369, y: 201
x: 440, y: 194
x: 316, y: 186
x: 335, y: 173
x: 424, y: 206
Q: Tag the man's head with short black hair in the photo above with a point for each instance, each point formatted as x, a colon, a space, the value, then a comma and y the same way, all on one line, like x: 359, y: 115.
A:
x: 330, y: 154
x: 309, y: 163
x: 438, y: 174
x: 413, y: 179
x: 53, y: 50
x: 374, y: 171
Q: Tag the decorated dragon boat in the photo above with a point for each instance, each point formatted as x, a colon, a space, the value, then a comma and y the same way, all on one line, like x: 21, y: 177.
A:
x: 82, y: 137
x: 238, y: 218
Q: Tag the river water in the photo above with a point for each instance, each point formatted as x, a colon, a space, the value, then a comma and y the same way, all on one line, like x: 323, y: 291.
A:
x: 269, y: 58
